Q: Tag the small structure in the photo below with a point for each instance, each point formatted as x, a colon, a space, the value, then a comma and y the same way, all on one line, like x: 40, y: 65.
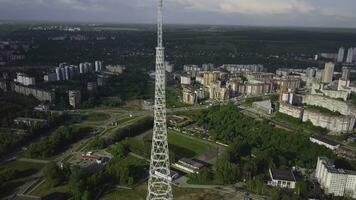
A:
x: 30, y: 121
x: 41, y: 108
x: 75, y: 98
x: 324, y: 142
x: 264, y: 106
x: 282, y: 178
x: 189, y: 165
x: 175, y: 120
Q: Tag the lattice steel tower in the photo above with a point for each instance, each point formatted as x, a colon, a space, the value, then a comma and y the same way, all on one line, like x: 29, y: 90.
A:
x: 159, y: 183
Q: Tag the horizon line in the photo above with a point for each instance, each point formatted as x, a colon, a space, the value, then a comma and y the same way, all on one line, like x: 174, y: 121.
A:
x: 82, y: 22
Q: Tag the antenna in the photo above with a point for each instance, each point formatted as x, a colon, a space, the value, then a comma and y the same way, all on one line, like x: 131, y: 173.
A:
x: 159, y: 182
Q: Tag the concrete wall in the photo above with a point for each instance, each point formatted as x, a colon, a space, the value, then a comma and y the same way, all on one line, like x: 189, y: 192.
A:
x: 41, y: 95
x: 294, y: 111
x: 332, y: 123
x: 331, y: 104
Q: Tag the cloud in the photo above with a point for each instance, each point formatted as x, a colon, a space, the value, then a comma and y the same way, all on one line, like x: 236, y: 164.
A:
x: 246, y: 12
x: 250, y: 7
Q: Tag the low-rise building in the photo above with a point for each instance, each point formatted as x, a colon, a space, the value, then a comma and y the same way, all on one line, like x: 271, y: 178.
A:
x: 264, y: 106
x: 337, y: 182
x: 30, y: 121
x: 92, y: 86
x: 293, y: 111
x: 41, y: 95
x: 115, y: 69
x: 324, y: 142
x: 24, y: 79
x: 282, y: 179
x: 41, y: 108
x: 190, y: 166
x: 185, y: 80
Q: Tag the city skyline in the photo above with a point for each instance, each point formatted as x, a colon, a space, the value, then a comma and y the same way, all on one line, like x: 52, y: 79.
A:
x: 318, y: 13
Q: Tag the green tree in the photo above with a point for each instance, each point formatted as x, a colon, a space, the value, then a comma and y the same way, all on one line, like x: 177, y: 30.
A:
x: 54, y: 176
x: 77, y: 183
x: 225, y: 171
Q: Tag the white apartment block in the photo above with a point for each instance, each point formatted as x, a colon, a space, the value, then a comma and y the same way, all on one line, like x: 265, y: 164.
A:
x: 337, y: 182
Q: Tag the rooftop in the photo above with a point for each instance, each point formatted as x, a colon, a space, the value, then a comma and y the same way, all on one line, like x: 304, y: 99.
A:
x: 193, y: 163
x: 324, y: 140
x: 286, y: 175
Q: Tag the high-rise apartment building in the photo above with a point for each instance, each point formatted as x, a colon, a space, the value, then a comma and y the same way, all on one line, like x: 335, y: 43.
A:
x: 337, y: 182
x: 98, y: 66
x: 350, y: 55
x: 328, y: 73
x: 341, y: 55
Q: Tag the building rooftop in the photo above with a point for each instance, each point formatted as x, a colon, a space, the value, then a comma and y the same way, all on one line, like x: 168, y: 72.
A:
x: 286, y: 175
x: 332, y: 169
x: 324, y: 140
x: 29, y: 119
x: 265, y: 103
x: 193, y: 163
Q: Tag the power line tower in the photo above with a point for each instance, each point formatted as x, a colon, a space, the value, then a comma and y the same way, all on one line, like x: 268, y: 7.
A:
x: 159, y: 183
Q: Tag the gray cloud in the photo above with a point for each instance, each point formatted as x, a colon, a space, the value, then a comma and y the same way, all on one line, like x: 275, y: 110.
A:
x: 237, y: 12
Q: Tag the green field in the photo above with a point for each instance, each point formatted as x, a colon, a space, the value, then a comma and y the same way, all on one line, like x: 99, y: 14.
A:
x: 97, y: 117
x: 186, y: 146
x: 140, y: 192
x: 15, y: 174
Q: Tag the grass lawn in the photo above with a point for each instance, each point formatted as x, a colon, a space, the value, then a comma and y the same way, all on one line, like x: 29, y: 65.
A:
x: 97, y: 117
x: 185, y: 146
x: 44, y: 191
x: 140, y: 192
x: 22, y: 172
x: 22, y: 166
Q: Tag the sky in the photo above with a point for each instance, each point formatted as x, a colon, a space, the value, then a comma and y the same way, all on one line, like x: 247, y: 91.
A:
x: 315, y: 13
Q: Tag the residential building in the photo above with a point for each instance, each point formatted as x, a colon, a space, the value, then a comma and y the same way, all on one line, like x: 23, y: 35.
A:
x: 24, y: 79
x: 335, y: 124
x: 218, y: 93
x: 350, y: 55
x: 115, y: 69
x: 324, y: 142
x: 41, y: 95
x: 311, y: 72
x: 50, y: 77
x: 98, y: 66
x: 341, y: 55
x: 264, y: 106
x: 169, y: 67
x: 92, y: 86
x: 293, y: 111
x: 282, y: 178
x: 189, y: 95
x: 337, y: 182
x: 210, y: 78
x: 75, y: 98
x: 328, y: 73
x: 185, y: 80
x: 30, y: 121
x: 345, y: 73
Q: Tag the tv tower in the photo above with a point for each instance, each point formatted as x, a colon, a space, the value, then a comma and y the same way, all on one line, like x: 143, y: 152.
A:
x: 159, y: 183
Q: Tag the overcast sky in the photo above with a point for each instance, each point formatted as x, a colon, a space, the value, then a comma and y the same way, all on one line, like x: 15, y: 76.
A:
x: 318, y: 13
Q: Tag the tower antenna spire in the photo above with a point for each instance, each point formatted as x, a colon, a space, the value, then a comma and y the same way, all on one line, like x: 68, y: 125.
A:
x: 159, y: 182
